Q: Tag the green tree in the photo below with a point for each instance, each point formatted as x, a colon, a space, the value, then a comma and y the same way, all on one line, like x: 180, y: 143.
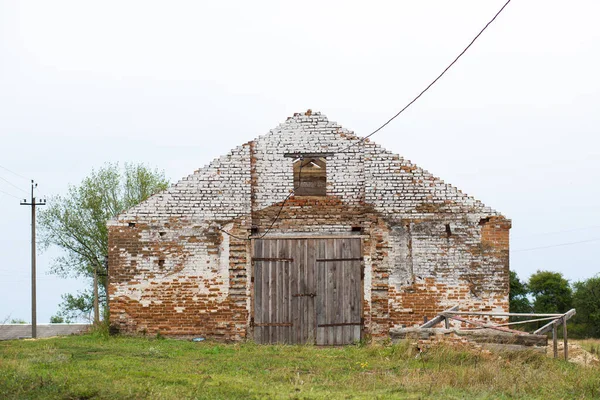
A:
x: 58, y: 319
x: 551, y: 292
x: 76, y: 223
x: 518, y: 300
x: 586, y: 299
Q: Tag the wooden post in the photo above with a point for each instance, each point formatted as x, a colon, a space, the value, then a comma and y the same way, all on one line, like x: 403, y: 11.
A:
x: 555, y: 340
x: 446, y: 323
x: 565, y: 341
x: 437, y: 319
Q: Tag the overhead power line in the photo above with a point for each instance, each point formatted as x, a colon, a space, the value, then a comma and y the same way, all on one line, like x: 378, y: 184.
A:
x: 556, y: 245
x: 561, y: 231
x: 13, y: 185
x: 389, y: 120
x: 433, y: 82
x: 14, y: 173
x: 11, y: 195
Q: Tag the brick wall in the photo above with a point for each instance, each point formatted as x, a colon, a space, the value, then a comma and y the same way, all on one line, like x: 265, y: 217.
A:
x: 426, y: 245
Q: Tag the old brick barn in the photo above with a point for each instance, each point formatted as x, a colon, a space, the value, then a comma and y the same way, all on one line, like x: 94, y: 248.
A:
x: 367, y: 242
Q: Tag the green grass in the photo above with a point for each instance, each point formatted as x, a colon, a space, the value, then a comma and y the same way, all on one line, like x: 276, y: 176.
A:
x: 591, y: 345
x: 97, y: 367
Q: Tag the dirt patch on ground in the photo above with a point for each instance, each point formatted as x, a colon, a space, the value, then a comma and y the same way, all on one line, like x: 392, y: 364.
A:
x: 577, y: 354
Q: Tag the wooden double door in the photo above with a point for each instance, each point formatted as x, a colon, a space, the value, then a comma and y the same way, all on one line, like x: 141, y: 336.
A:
x: 308, y: 291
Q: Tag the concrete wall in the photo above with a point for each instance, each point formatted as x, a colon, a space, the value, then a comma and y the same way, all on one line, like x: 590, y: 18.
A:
x: 426, y: 245
x: 23, y: 331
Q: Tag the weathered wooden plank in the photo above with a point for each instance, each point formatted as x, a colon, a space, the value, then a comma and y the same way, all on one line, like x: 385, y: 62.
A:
x: 340, y: 258
x: 279, y: 304
x: 327, y: 292
x: 488, y: 335
x: 286, y: 316
x: 321, y: 293
x: 555, y: 340
x: 565, y: 341
x: 311, y: 255
x: 341, y: 324
x: 282, y: 259
x: 266, y: 293
x: 294, y: 285
x: 332, y: 291
x: 273, y: 291
x: 258, y: 304
x: 489, y: 326
x: 345, y: 267
x: 485, y: 335
x: 352, y: 269
x: 303, y: 289
x: 499, y: 314
x: 527, y: 321
x: 549, y: 325
x: 276, y: 324
x: 358, y: 304
x: 338, y: 282
x: 265, y: 288
x: 352, y: 292
x: 439, y: 318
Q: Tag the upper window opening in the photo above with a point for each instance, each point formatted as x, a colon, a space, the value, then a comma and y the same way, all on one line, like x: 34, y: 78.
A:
x: 310, y: 176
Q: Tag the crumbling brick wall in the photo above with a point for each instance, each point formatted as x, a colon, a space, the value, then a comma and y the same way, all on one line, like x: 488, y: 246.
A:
x: 426, y: 245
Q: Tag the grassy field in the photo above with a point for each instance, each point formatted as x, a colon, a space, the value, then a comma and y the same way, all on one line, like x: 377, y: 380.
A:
x: 99, y: 367
x: 591, y: 345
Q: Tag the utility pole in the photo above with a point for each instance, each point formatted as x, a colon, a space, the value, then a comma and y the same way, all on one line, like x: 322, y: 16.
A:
x: 33, y: 300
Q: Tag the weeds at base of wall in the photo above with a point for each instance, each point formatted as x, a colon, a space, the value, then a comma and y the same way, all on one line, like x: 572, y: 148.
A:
x: 100, y: 330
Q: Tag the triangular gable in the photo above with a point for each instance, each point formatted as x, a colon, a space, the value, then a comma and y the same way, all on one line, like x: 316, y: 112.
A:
x: 222, y: 190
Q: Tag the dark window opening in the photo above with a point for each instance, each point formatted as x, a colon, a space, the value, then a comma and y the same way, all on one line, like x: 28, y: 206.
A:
x: 161, y: 263
x: 132, y: 224
x: 310, y: 176
x: 448, y: 230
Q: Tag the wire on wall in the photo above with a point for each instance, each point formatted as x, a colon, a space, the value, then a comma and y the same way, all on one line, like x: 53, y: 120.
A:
x: 280, y: 208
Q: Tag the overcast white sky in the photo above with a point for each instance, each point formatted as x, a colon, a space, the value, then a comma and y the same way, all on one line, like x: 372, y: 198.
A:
x: 175, y: 84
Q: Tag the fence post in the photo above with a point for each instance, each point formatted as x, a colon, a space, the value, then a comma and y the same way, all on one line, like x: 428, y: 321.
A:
x: 555, y: 340
x: 565, y: 341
